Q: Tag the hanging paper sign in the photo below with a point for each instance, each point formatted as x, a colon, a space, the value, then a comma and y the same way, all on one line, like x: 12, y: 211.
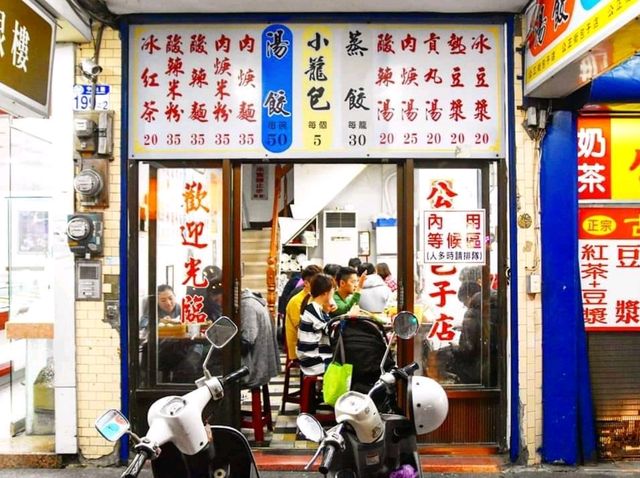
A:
x: 454, y: 236
x: 305, y: 90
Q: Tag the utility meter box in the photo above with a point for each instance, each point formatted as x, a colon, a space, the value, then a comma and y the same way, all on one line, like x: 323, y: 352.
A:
x: 91, y: 182
x: 85, y: 234
x: 93, y: 131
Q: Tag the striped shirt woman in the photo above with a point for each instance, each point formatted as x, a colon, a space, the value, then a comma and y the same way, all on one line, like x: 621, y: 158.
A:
x: 313, y: 347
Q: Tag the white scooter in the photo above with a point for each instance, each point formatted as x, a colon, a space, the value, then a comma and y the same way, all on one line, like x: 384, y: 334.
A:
x: 178, y: 442
x: 366, y: 443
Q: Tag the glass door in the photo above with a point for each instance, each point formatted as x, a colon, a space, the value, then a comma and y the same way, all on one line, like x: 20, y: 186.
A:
x: 458, y: 297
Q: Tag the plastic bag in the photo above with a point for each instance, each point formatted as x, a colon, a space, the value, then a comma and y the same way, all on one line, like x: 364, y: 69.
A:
x: 337, y: 377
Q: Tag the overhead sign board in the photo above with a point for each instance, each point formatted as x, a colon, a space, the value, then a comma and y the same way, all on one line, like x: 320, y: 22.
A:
x: 569, y: 42
x: 305, y: 90
x: 27, y: 37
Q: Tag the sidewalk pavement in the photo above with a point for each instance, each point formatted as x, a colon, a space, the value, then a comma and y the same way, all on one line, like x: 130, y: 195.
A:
x: 605, y: 470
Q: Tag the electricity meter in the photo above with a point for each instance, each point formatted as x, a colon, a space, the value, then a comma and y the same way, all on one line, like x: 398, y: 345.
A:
x: 91, y: 182
x: 84, y: 234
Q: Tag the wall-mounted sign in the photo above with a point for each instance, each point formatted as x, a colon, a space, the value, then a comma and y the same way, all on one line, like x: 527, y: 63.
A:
x: 610, y: 268
x: 259, y: 181
x: 82, y: 97
x: 27, y: 36
x: 608, y: 159
x: 569, y: 42
x: 305, y: 90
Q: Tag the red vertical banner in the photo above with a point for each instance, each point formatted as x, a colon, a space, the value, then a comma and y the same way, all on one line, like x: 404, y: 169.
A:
x: 594, y: 158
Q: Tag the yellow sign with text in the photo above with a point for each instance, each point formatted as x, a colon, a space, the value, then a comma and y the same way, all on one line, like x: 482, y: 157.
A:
x: 625, y: 154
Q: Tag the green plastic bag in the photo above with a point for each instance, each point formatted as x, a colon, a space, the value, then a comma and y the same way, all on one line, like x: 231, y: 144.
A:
x: 337, y: 378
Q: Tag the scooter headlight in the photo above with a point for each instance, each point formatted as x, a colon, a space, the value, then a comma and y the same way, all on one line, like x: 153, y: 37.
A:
x: 359, y: 411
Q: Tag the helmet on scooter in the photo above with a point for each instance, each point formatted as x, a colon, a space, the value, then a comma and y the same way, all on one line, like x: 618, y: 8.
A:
x: 428, y: 404
x: 359, y: 411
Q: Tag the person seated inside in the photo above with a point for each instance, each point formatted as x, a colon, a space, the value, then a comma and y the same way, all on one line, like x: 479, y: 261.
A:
x: 382, y: 269
x: 294, y: 310
x: 313, y: 347
x: 374, y: 293
x: 179, y: 360
x: 348, y: 291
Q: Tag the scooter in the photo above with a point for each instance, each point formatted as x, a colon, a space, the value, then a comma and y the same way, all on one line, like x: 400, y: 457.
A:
x: 178, y: 442
x: 367, y: 443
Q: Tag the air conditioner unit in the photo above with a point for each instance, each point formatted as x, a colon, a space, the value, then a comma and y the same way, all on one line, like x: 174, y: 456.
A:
x: 339, y: 237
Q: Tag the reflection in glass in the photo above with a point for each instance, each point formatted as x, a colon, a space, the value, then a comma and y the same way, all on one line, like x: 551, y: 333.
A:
x: 455, y: 299
x: 180, y: 234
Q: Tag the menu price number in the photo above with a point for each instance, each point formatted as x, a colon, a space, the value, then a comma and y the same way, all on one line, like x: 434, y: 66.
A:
x: 279, y: 139
x: 198, y: 139
x: 357, y: 139
x: 430, y: 138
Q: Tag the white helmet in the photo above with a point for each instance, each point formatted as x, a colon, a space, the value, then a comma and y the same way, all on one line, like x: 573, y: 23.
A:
x: 429, y: 404
x: 359, y: 411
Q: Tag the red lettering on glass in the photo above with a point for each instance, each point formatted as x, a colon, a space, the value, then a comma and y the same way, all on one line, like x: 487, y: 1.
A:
x: 192, y: 309
x: 192, y: 269
x: 193, y: 196
x: 191, y: 232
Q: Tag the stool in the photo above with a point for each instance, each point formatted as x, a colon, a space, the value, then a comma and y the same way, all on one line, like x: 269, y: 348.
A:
x: 290, y: 397
x: 308, y: 402
x: 260, y: 414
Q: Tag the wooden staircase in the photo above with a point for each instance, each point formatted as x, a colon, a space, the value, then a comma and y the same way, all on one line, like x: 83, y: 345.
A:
x: 254, y: 254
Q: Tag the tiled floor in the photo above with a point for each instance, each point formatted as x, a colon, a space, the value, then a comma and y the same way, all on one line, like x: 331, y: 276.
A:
x: 284, y: 434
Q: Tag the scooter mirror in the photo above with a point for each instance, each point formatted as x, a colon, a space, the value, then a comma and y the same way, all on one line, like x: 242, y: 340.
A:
x: 405, y: 325
x: 112, y: 425
x: 310, y: 427
x: 221, y: 332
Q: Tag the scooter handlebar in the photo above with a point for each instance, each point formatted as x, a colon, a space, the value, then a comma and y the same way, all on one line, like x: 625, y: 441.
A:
x: 234, y: 376
x: 135, y: 467
x: 327, y: 458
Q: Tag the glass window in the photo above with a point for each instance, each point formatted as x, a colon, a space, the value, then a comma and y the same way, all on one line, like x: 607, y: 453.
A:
x: 456, y: 266
x: 180, y: 274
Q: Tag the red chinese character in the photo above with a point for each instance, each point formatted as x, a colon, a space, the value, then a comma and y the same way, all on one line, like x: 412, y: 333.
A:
x: 198, y: 44
x: 432, y: 44
x: 149, y: 79
x: 191, y: 233
x: 221, y: 86
x: 481, y: 43
x: 193, y: 195
x: 455, y: 78
x: 474, y: 240
x: 434, y: 220
x: 192, y: 309
x: 596, y: 315
x: 442, y: 328
x: 409, y: 112
x: 173, y: 89
x: 150, y: 44
x: 432, y: 75
x: 385, y: 112
x: 385, y: 76
x: 222, y: 66
x: 433, y: 110
x: 434, y: 239
x: 628, y: 256
x: 409, y: 76
x: 198, y: 77
x: 474, y: 220
x: 481, y: 110
x: 246, y: 78
x: 192, y: 267
x: 223, y: 43
x: 409, y: 43
x: 172, y: 112
x: 442, y: 192
x: 481, y: 78
x: 456, y: 110
x: 174, y: 66
x: 199, y: 112
x: 247, y: 112
x: 442, y: 292
x: 149, y: 113
x: 593, y: 252
x: 442, y: 270
x: 627, y: 311
x: 247, y: 43
x: 454, y: 240
x: 456, y: 46
x: 174, y: 44
x: 220, y: 112
x: 385, y: 43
